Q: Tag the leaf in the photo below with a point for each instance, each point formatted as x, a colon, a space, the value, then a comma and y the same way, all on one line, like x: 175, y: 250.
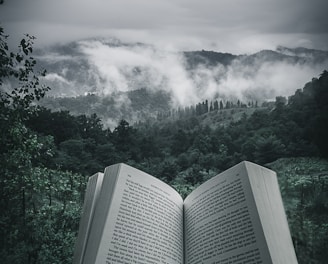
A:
x: 19, y: 58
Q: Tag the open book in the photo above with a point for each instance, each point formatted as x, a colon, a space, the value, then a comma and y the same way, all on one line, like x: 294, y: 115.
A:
x: 236, y: 217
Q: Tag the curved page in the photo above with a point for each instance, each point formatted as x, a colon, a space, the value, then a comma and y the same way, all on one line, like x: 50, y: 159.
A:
x: 144, y: 223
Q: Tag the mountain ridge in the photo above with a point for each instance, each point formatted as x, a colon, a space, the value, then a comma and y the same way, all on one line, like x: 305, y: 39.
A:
x: 112, y: 70
x: 105, y: 66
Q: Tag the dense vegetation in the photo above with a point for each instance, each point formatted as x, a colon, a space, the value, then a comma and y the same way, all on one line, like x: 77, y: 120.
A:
x: 132, y: 105
x: 46, y: 157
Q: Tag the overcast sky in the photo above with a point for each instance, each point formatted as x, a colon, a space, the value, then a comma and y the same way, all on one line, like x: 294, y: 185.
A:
x: 237, y: 26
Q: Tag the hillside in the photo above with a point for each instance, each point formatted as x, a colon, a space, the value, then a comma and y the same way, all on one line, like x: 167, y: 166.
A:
x: 133, y: 81
x: 133, y: 106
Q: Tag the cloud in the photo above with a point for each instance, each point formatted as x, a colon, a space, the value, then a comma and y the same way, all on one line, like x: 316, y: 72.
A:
x: 267, y: 80
x: 236, y: 26
x: 53, y: 57
x: 127, y: 68
x: 114, y: 68
x: 54, y: 77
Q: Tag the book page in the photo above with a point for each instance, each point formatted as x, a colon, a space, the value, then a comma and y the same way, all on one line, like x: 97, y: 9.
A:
x: 144, y: 223
x: 271, y: 211
x: 100, y: 213
x: 222, y: 223
x: 90, y: 201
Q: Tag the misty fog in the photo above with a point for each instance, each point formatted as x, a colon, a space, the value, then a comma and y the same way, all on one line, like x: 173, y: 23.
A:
x: 104, y: 68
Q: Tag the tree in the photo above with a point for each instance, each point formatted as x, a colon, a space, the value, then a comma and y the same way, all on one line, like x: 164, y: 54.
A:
x: 17, y: 72
x: 216, y: 105
x: 168, y: 170
x: 304, y: 189
x: 211, y: 107
x: 221, y: 105
x: 180, y: 142
x: 38, y: 221
x: 61, y: 125
x: 320, y: 119
x: 268, y: 148
x: 280, y: 102
x: 91, y: 127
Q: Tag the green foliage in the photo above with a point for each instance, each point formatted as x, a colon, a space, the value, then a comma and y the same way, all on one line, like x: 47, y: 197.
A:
x: 42, y: 226
x: 310, y: 111
x: 183, y: 189
x: 304, y: 188
x: 39, y: 208
x: 61, y: 125
x: 19, y: 69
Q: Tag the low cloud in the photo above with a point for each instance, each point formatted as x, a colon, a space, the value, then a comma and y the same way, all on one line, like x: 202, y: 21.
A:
x: 109, y: 66
x: 54, y: 77
x: 126, y: 68
x: 265, y: 81
x: 129, y: 67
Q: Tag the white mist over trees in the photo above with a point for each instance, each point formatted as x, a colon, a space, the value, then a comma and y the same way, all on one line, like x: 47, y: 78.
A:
x: 110, y: 66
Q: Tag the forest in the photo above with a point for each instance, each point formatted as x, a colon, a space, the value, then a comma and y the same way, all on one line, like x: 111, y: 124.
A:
x: 46, y: 158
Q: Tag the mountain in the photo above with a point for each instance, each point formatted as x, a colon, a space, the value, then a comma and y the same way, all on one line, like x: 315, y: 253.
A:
x: 110, y: 68
x: 316, y: 56
x: 208, y: 58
